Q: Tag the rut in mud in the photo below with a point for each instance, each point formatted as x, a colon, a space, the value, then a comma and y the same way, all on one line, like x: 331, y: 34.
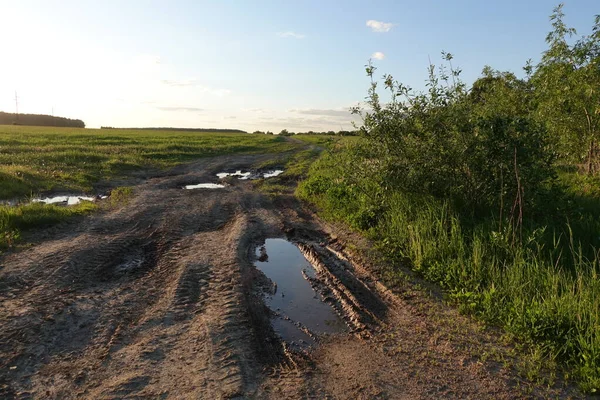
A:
x: 166, y: 298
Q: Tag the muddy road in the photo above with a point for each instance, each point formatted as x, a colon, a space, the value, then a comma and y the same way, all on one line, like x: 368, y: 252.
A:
x: 169, y: 296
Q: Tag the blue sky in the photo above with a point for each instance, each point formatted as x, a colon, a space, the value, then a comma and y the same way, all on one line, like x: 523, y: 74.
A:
x: 250, y: 64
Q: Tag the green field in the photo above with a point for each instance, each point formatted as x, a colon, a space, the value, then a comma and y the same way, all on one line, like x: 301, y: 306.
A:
x: 35, y: 160
x: 40, y: 159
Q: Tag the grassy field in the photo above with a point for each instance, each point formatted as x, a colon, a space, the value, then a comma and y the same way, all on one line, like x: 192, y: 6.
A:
x: 326, y: 141
x: 545, y: 291
x: 39, y: 159
x: 34, y: 160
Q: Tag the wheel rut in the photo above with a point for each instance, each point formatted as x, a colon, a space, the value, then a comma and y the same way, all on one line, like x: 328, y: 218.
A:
x: 162, y: 298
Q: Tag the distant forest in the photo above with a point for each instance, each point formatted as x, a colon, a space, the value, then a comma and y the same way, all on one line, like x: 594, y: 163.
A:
x: 39, y: 120
x: 181, y: 129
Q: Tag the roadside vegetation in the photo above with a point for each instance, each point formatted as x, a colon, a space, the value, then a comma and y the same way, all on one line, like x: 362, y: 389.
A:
x: 492, y: 190
x: 34, y: 160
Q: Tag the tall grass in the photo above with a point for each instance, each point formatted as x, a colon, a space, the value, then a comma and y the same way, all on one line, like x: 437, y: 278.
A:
x: 544, y: 290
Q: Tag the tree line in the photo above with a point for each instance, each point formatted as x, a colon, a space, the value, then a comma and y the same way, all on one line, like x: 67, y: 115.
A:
x: 39, y: 120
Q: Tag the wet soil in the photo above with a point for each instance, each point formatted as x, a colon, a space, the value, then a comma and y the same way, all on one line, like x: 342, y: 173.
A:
x: 165, y: 298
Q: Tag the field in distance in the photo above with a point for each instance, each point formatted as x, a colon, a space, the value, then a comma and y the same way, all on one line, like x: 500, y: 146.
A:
x: 41, y: 159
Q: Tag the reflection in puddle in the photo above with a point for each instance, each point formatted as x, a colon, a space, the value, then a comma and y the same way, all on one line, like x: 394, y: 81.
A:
x: 243, y: 175
x: 293, y: 298
x: 68, y: 200
x: 238, y: 173
x: 271, y: 174
x: 205, y: 186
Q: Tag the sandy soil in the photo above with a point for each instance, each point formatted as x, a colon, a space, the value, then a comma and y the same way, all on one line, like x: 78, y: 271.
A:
x: 159, y: 299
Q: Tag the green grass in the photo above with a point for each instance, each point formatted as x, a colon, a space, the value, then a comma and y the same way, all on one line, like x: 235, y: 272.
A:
x: 42, y: 159
x: 120, y: 195
x: 328, y: 141
x: 13, y: 220
x: 295, y: 168
x: 296, y: 165
x: 34, y: 159
x: 544, y: 291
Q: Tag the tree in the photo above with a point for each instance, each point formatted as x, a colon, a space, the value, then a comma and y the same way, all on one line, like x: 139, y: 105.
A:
x: 567, y: 83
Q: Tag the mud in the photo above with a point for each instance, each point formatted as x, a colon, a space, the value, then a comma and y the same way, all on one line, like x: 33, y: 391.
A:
x: 161, y: 299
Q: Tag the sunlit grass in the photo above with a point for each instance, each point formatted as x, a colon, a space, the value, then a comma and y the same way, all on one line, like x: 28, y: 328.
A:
x: 544, y: 291
x: 34, y: 159
x: 42, y: 159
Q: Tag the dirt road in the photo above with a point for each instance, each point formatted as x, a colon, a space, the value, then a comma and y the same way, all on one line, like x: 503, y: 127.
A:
x: 160, y: 298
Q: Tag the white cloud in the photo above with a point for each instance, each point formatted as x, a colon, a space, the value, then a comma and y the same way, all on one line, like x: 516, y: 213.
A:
x: 379, y: 26
x: 186, y: 109
x: 218, y: 92
x: 378, y: 55
x: 343, y: 113
x: 290, y: 34
x: 193, y: 83
x: 179, y: 83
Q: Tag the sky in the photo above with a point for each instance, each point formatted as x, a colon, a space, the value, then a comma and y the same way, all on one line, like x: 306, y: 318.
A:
x: 251, y: 65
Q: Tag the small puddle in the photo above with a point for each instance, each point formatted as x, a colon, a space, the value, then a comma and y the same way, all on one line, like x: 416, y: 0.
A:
x: 205, y: 186
x: 238, y: 173
x: 271, y: 174
x: 292, y: 296
x: 68, y: 200
x: 244, y: 175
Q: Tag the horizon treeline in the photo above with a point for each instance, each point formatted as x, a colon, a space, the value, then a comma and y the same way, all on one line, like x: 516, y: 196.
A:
x: 39, y: 120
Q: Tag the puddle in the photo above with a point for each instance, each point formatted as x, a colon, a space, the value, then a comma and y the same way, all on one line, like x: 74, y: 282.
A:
x: 205, y: 186
x: 292, y: 297
x: 244, y: 175
x: 271, y: 174
x: 64, y: 200
x: 68, y: 200
x: 238, y: 173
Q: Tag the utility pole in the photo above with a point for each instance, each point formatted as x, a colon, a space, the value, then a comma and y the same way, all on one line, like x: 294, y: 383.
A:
x: 16, y: 106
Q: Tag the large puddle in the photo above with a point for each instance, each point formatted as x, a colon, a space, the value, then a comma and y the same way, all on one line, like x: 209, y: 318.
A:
x: 300, y: 309
x: 244, y: 175
x: 65, y: 200
x: 62, y: 200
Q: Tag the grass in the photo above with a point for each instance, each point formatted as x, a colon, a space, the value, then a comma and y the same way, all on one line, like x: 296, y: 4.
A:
x: 43, y: 159
x: 296, y: 165
x: 120, y: 195
x: 544, y: 291
x: 327, y: 141
x: 13, y: 220
x: 34, y: 159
